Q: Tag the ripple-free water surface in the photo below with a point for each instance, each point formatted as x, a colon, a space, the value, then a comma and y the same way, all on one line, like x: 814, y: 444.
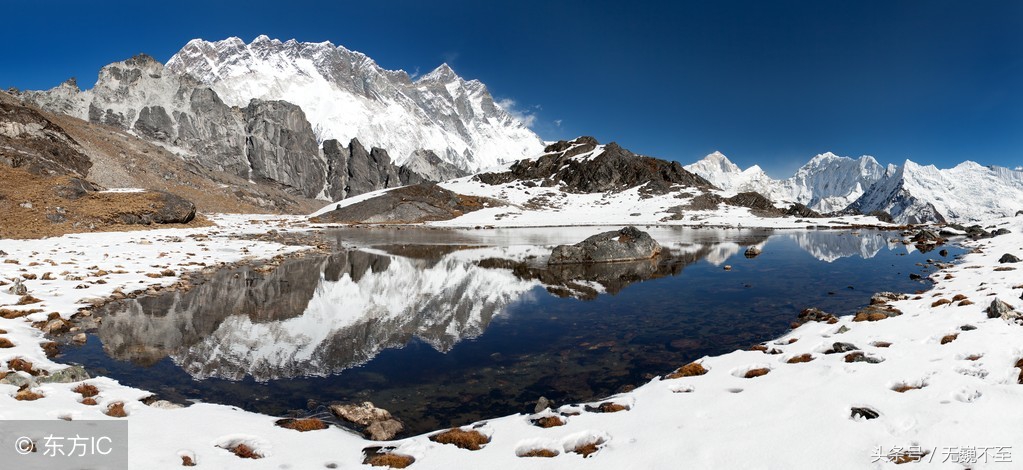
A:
x: 469, y: 326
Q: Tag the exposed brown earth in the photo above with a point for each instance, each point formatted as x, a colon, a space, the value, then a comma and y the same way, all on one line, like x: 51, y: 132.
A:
x: 31, y: 207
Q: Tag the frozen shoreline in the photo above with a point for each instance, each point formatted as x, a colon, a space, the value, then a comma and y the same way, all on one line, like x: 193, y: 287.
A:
x: 793, y: 417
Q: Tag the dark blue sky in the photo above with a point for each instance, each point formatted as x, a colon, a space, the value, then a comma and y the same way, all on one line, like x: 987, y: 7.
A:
x: 768, y: 82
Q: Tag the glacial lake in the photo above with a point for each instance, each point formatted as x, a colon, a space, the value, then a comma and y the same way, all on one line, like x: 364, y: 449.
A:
x: 443, y: 328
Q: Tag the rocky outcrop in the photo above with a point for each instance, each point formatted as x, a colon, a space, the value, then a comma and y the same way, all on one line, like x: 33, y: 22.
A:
x: 157, y: 207
x: 281, y: 146
x: 582, y: 166
x: 407, y: 205
x: 31, y: 141
x: 369, y: 170
x: 753, y: 200
x: 627, y: 244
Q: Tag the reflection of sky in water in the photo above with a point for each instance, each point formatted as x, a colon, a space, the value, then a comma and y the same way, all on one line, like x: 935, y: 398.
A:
x: 441, y: 336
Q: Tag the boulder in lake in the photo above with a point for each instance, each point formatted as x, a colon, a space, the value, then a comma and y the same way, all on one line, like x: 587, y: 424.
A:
x: 927, y: 236
x: 627, y: 244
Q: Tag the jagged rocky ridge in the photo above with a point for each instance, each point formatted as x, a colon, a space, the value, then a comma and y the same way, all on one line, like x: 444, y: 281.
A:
x: 268, y: 140
x: 346, y: 95
x: 584, y: 166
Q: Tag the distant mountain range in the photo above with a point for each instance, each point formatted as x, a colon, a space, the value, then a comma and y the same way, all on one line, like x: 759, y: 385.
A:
x: 910, y: 193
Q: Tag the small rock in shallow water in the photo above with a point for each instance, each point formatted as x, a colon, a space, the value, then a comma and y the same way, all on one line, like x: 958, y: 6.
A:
x: 363, y: 414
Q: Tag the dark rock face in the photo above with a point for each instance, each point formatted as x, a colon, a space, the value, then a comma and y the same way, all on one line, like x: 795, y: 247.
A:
x: 369, y: 170
x: 627, y: 244
x: 155, y: 123
x: 336, y: 156
x: 281, y: 146
x: 29, y: 140
x: 407, y: 205
x: 614, y: 169
x: 352, y: 170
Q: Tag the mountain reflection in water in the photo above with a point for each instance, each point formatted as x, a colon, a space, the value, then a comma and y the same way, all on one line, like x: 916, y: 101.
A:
x: 443, y: 333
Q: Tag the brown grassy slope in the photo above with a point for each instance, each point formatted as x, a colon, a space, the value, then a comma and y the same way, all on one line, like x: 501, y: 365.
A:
x: 27, y: 199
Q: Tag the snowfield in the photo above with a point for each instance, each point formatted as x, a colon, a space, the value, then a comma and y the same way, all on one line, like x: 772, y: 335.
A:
x: 963, y: 413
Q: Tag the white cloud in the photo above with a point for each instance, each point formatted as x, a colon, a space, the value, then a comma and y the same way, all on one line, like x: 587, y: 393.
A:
x: 414, y: 74
x: 557, y: 122
x: 527, y: 118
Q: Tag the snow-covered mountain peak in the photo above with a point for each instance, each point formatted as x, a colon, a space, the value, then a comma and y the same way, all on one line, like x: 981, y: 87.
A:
x: 823, y: 157
x: 345, y: 94
x: 443, y: 73
x: 924, y: 193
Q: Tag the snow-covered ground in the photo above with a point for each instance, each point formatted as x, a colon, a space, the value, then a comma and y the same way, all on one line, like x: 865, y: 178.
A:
x: 798, y: 415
